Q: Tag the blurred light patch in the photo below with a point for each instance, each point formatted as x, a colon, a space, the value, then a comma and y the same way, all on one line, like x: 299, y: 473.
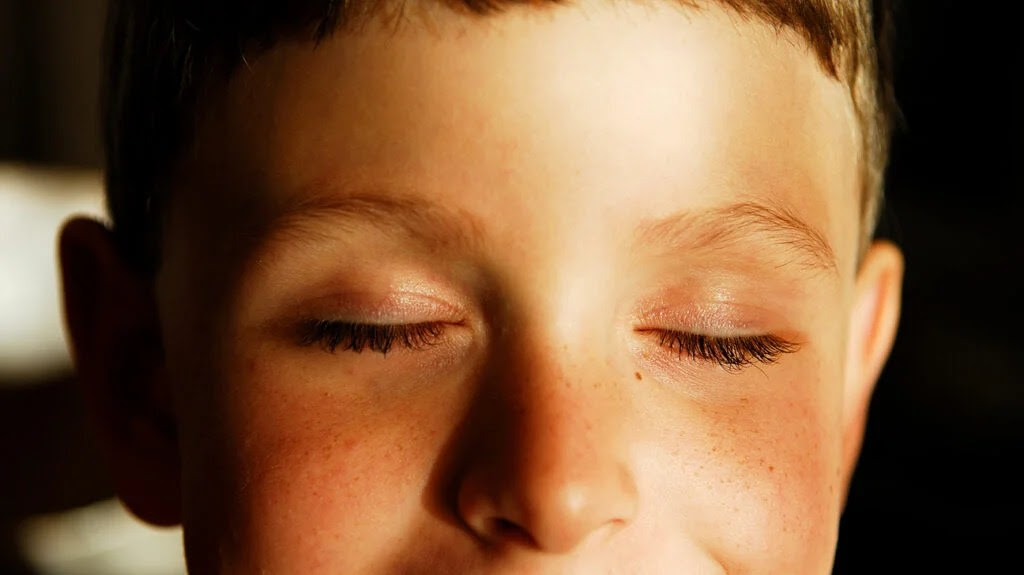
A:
x: 101, y: 539
x: 33, y: 205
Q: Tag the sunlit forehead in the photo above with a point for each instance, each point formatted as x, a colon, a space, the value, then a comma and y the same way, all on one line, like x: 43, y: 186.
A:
x: 536, y: 145
x: 622, y: 99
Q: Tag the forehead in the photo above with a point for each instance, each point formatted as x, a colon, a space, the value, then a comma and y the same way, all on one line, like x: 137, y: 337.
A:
x: 623, y: 112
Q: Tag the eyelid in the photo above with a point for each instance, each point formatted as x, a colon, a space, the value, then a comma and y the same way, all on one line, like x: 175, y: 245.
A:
x: 395, y: 308
x: 714, y: 319
x: 725, y: 333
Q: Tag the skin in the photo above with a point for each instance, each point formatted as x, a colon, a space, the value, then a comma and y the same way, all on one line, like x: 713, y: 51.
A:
x: 549, y: 186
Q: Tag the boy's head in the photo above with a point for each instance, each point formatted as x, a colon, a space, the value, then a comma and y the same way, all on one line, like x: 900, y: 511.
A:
x: 415, y: 287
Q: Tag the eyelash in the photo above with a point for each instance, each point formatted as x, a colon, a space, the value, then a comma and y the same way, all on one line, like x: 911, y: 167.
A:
x: 731, y: 353
x: 348, y: 336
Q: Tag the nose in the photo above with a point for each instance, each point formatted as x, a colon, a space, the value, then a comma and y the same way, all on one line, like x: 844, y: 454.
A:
x: 549, y: 462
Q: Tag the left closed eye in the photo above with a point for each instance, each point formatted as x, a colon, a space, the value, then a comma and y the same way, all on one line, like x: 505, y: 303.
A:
x: 381, y: 338
x: 731, y: 352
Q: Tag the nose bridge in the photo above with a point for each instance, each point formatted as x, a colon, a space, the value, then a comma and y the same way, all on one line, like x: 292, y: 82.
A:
x: 554, y: 347
x: 549, y: 415
x: 555, y: 376
x: 560, y: 389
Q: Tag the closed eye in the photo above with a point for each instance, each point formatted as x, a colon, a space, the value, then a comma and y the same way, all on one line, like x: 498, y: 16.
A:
x: 381, y: 338
x: 732, y: 353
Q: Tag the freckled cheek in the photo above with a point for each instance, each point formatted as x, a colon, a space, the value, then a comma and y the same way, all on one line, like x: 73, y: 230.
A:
x: 784, y: 460
x: 755, y: 479
x: 802, y: 457
x: 311, y: 470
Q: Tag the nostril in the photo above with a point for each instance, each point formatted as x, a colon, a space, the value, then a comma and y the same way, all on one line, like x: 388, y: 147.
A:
x: 508, y: 531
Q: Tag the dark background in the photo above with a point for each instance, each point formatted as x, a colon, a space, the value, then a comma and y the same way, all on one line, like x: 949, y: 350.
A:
x: 938, y: 489
x: 938, y: 486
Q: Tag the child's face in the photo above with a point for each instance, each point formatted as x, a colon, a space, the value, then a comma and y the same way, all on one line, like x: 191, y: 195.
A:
x: 566, y: 211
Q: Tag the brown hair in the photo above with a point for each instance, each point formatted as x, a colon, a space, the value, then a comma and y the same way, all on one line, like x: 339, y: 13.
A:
x: 161, y: 54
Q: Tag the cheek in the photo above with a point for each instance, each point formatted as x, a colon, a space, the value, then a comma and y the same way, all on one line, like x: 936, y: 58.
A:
x: 790, y: 477
x: 305, y: 471
x: 757, y: 477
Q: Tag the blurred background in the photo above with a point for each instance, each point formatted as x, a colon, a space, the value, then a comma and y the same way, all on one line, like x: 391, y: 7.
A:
x: 938, y: 487
x: 57, y: 515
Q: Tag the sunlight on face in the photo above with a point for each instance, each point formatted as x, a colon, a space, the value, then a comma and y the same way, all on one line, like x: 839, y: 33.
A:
x: 557, y: 291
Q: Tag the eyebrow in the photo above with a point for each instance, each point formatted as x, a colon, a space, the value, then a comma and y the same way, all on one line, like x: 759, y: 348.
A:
x: 427, y: 221
x: 737, y: 226
x: 740, y: 226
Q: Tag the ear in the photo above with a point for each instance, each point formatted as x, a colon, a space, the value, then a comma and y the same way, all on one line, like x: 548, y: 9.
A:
x: 116, y: 346
x: 874, y: 317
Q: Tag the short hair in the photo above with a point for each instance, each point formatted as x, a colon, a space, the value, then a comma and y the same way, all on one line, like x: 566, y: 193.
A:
x: 160, y: 55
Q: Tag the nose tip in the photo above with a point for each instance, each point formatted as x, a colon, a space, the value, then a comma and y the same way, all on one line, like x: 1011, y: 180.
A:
x: 550, y: 512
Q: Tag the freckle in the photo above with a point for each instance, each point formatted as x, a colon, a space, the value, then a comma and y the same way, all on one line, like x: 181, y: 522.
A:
x: 771, y: 468
x: 638, y: 376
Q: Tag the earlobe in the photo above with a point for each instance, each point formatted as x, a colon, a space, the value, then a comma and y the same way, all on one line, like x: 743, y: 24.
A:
x: 874, y: 317
x: 115, y: 342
